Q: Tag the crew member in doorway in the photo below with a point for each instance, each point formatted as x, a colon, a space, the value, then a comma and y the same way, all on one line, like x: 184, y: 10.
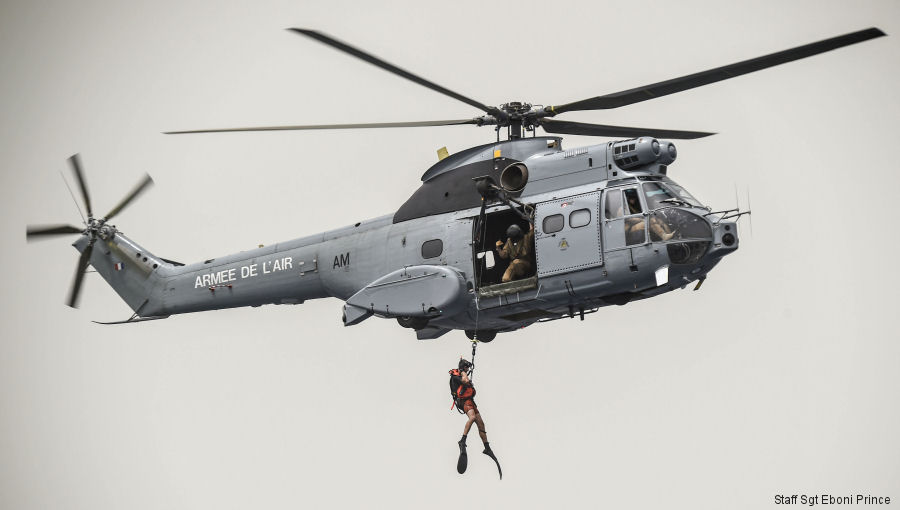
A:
x: 519, y: 247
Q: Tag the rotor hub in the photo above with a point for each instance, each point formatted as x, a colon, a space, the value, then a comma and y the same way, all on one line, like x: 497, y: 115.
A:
x: 516, y: 108
x: 106, y: 232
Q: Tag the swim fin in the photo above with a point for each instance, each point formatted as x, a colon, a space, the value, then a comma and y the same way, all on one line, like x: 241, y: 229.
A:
x: 463, y: 461
x: 490, y: 453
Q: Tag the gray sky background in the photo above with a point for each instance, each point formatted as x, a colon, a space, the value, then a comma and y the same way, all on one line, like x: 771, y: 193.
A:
x: 779, y: 376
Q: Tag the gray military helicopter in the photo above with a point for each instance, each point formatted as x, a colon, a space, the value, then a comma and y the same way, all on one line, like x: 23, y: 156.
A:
x: 584, y: 228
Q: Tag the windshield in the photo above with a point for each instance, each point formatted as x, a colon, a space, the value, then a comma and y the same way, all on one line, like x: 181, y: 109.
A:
x: 663, y: 194
x: 673, y: 224
x: 657, y: 195
x: 681, y: 193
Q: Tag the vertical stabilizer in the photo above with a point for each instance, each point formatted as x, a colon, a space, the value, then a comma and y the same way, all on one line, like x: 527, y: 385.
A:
x: 129, y: 269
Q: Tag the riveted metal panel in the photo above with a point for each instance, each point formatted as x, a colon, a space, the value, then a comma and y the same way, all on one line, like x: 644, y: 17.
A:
x: 569, y: 249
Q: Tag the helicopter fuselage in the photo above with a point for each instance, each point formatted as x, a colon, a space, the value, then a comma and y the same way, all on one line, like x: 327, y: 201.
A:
x: 609, y: 228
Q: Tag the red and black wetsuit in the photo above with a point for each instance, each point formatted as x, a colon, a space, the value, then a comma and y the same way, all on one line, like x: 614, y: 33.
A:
x: 464, y: 395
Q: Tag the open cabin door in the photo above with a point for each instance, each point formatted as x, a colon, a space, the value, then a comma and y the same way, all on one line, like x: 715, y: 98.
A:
x: 567, y: 234
x: 489, y: 266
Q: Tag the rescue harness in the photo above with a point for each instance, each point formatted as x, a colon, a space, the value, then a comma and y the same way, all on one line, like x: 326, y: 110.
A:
x: 460, y: 392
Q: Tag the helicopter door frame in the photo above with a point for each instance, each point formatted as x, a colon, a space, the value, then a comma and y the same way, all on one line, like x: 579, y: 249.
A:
x: 615, y: 236
x: 561, y: 247
x: 488, y: 267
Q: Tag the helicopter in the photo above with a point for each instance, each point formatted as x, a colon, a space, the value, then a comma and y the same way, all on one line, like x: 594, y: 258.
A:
x: 497, y: 237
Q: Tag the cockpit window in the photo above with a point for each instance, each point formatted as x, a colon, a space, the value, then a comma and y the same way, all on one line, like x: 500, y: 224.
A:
x: 681, y: 193
x: 613, y: 207
x: 658, y: 196
x: 667, y: 194
x: 633, y: 201
x: 673, y: 224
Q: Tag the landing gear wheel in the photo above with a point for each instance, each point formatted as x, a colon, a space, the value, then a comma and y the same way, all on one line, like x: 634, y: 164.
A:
x: 413, y: 322
x: 482, y: 335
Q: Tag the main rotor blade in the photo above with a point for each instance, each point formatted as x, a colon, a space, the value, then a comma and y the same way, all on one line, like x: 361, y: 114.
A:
x: 580, y: 128
x: 346, y: 48
x: 83, y: 262
x: 141, y: 186
x: 50, y: 230
x: 690, y: 81
x: 75, y: 161
x: 424, y: 123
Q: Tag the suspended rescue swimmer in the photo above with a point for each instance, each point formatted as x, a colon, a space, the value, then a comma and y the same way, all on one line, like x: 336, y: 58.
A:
x: 463, y: 392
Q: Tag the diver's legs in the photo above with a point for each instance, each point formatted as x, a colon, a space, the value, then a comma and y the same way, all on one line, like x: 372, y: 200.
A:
x: 480, y: 423
x: 471, y: 415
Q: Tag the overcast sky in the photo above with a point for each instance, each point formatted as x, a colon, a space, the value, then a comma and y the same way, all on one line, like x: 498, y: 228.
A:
x: 778, y: 377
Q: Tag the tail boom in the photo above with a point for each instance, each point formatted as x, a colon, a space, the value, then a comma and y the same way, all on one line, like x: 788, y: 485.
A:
x: 152, y: 286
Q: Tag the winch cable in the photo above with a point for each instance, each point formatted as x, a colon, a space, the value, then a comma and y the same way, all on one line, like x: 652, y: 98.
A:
x: 472, y: 370
x: 482, y: 231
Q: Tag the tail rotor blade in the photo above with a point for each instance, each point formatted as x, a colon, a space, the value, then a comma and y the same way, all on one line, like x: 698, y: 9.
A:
x: 83, y: 262
x: 75, y: 161
x: 141, y: 186
x: 33, y: 232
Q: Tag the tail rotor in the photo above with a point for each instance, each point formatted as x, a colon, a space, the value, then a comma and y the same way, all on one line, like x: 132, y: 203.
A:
x: 94, y: 227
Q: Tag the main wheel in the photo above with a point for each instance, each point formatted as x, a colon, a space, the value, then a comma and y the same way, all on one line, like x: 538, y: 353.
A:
x: 482, y: 335
x: 412, y: 322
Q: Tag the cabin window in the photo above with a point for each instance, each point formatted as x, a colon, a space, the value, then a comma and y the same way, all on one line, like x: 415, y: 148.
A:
x: 432, y: 248
x: 554, y: 223
x: 613, y: 207
x: 579, y: 218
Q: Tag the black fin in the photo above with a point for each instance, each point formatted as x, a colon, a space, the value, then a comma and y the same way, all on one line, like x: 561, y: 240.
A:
x: 463, y: 461
x: 487, y: 451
